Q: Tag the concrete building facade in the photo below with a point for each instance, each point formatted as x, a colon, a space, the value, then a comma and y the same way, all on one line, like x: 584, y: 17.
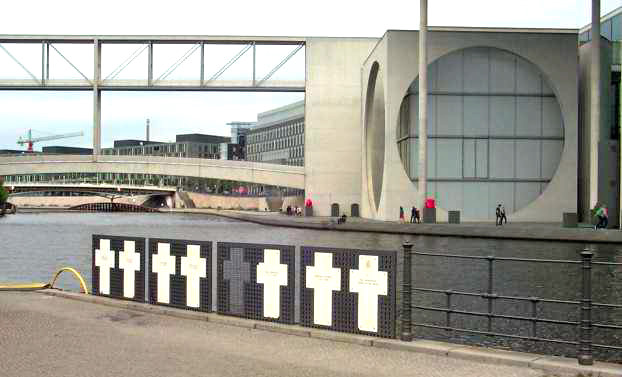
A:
x: 502, y: 123
x: 278, y: 136
x: 188, y: 146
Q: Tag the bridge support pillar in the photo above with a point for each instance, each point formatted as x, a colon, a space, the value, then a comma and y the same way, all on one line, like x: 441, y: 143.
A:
x: 97, y: 98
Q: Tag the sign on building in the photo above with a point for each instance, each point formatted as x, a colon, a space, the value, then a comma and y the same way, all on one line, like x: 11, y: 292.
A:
x: 118, y: 267
x: 348, y: 290
x: 180, y: 273
x: 256, y: 281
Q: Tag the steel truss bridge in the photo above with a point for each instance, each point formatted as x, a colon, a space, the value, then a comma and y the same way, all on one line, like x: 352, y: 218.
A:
x: 206, y: 81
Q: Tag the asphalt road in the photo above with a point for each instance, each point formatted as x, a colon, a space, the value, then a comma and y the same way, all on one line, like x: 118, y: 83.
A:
x: 41, y: 335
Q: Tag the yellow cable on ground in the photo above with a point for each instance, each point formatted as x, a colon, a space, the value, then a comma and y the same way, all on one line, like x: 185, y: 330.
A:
x: 37, y: 286
x: 76, y: 274
x: 23, y: 287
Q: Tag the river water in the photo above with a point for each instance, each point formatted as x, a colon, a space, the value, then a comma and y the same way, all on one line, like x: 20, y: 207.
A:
x: 34, y: 245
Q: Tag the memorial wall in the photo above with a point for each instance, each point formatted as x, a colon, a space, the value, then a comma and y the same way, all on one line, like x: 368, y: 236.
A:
x: 347, y: 290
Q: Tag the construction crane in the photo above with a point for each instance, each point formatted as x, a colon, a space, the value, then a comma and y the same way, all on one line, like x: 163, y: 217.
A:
x: 29, y: 140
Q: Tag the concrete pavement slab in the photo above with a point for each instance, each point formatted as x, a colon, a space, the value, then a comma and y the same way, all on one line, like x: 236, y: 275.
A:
x: 53, y: 336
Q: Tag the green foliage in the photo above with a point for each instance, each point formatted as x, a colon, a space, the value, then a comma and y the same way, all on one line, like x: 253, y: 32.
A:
x: 4, y: 194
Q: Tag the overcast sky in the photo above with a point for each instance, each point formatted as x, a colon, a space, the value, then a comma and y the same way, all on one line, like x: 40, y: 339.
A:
x: 124, y: 114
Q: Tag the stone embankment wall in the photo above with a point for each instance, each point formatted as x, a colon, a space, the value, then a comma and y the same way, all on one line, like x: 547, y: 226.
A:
x: 238, y: 202
x: 69, y: 201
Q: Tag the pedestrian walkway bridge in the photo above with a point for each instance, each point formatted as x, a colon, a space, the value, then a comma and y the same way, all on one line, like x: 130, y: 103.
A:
x: 241, y: 171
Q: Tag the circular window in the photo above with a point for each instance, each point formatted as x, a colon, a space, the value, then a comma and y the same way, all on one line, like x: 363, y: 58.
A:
x: 495, y: 132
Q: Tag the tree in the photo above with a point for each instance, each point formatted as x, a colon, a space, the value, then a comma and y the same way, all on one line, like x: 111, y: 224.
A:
x: 4, y: 195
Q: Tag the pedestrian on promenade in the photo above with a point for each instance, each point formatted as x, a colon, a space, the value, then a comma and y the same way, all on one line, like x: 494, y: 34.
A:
x: 401, y: 214
x: 503, y: 217
x: 602, y: 214
x: 498, y: 215
x: 417, y: 216
x: 413, y: 215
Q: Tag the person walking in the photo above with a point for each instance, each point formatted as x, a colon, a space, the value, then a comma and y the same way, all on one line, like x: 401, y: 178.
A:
x: 503, y: 216
x: 413, y: 215
x: 401, y: 214
x: 602, y: 214
x: 498, y: 215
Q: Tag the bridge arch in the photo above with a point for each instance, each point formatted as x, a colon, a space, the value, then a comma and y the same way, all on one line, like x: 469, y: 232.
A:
x: 242, y: 171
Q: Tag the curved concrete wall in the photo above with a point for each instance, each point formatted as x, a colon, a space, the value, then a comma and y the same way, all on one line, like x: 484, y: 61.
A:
x: 333, y: 121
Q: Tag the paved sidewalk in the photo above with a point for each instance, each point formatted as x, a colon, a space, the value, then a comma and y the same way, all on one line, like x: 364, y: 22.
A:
x: 53, y: 336
x: 522, y: 231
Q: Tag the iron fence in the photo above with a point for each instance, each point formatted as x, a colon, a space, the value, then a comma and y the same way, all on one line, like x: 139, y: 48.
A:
x: 583, y: 328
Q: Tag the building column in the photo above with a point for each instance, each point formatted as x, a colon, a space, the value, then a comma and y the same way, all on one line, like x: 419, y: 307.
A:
x: 97, y: 102
x: 595, y: 135
x: 423, y: 101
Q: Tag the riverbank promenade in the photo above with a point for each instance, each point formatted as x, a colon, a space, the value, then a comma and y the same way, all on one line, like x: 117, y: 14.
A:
x: 48, y: 335
x: 518, y: 231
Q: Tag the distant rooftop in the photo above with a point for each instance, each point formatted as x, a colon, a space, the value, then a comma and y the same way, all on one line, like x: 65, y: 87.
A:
x: 281, y: 114
x: 604, y: 18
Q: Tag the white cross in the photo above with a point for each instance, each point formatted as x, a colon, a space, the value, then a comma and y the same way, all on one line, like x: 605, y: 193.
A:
x: 323, y: 279
x: 272, y: 274
x: 163, y: 264
x: 104, y: 259
x: 194, y: 268
x: 129, y: 262
x: 369, y: 283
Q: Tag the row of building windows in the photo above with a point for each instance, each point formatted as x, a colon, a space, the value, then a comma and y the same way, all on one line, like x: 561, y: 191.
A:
x: 276, y: 132
x: 288, y: 142
x: 168, y: 150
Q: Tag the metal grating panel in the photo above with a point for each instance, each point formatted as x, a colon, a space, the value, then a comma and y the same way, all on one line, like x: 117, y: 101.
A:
x: 246, y: 278
x: 186, y: 266
x: 112, y: 262
x: 344, y: 311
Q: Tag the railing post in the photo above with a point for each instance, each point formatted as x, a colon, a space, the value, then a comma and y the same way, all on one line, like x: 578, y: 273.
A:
x: 406, y: 335
x: 490, y: 295
x: 585, y: 339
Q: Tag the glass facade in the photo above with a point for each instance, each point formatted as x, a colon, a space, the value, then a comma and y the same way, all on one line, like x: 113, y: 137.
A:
x: 495, y: 132
x: 610, y: 28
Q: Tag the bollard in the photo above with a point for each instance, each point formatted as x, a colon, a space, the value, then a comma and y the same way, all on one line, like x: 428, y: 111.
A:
x: 585, y: 340
x: 406, y: 335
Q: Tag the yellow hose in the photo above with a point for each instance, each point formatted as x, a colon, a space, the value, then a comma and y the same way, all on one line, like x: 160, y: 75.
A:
x: 37, y: 286
x: 23, y: 287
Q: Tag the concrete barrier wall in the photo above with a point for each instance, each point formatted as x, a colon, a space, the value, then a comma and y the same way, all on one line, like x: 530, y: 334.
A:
x: 240, y: 202
x: 70, y: 201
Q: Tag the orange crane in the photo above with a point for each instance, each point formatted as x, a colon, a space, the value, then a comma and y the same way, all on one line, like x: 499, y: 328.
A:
x: 29, y: 140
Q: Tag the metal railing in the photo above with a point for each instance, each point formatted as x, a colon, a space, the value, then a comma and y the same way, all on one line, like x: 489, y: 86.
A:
x: 584, y: 342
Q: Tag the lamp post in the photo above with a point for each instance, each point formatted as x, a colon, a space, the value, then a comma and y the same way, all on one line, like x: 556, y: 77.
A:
x: 423, y: 101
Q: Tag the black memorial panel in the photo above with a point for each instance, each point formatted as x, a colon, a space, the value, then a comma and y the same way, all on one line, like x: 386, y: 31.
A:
x: 118, y: 267
x: 331, y: 273
x: 180, y: 273
x: 256, y: 281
